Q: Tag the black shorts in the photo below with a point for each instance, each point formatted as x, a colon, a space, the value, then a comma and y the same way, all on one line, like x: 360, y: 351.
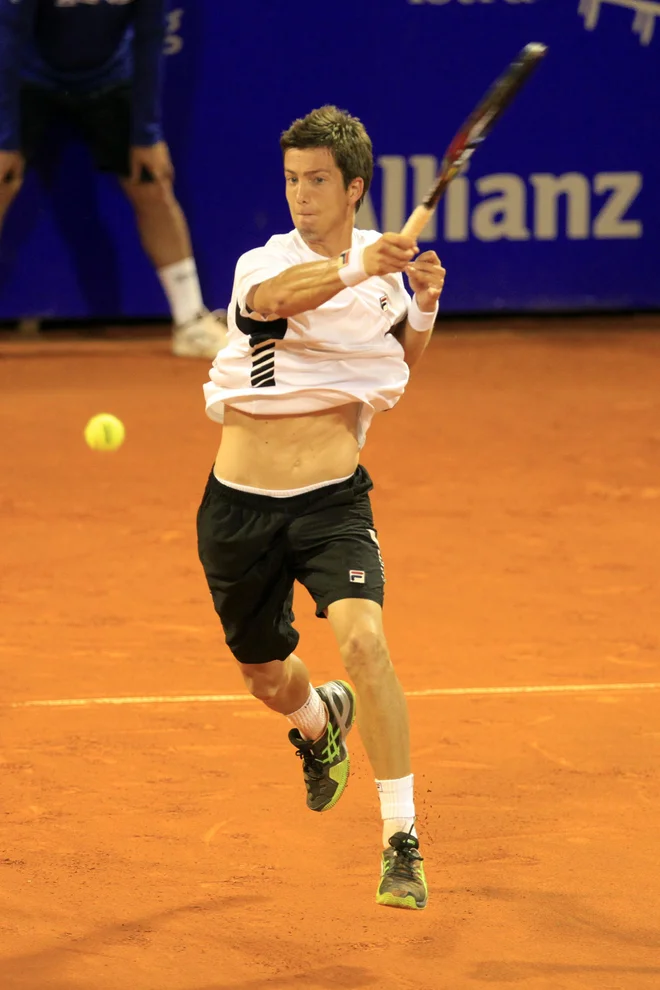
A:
x: 103, y: 120
x: 253, y: 548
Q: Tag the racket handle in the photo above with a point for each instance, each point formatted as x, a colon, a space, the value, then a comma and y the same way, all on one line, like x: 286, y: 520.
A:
x: 416, y: 222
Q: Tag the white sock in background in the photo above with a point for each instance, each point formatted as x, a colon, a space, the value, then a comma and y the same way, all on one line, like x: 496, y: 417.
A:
x: 397, y: 806
x: 312, y: 718
x: 181, y: 286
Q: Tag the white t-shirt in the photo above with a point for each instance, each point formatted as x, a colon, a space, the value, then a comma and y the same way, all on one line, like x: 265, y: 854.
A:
x: 340, y: 352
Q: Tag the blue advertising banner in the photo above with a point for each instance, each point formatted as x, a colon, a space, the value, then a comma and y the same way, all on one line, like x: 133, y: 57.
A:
x: 558, y: 210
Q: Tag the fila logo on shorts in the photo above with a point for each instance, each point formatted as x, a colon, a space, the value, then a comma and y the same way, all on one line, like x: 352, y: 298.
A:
x: 356, y: 577
x: 384, y: 303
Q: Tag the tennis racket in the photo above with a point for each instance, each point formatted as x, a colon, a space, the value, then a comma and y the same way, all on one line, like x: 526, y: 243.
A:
x: 477, y: 126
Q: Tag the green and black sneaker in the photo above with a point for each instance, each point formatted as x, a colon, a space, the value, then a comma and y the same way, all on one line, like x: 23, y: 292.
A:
x: 325, y: 762
x: 402, y: 881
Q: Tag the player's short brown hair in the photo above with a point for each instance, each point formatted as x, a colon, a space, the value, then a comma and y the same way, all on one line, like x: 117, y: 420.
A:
x: 345, y: 136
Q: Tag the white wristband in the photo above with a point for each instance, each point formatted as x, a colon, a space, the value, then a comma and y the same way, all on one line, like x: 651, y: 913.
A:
x: 351, y: 270
x: 419, y: 320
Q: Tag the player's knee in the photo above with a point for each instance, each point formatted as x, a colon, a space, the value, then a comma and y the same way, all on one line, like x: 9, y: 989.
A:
x: 365, y: 654
x: 264, y: 681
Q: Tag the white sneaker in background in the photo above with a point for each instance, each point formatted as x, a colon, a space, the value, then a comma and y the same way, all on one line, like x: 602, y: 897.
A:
x: 202, y: 337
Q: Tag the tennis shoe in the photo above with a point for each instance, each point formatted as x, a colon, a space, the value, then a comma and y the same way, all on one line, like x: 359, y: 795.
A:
x: 325, y: 761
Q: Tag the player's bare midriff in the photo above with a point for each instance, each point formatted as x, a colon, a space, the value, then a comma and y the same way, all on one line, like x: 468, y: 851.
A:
x: 280, y: 453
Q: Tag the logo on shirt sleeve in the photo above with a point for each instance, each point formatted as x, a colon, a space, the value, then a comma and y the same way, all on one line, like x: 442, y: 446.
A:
x: 384, y: 303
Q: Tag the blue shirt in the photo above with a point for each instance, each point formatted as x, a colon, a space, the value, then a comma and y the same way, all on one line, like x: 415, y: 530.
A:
x: 81, y: 46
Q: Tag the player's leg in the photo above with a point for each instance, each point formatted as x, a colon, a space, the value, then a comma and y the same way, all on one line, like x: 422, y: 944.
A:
x: 36, y: 112
x: 339, y: 562
x: 242, y: 541
x: 383, y: 723
x: 321, y: 718
x: 383, y: 713
x: 105, y: 121
x: 282, y: 685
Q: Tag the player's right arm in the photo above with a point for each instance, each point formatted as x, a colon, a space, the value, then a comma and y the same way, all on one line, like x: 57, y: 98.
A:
x: 16, y: 20
x: 305, y: 287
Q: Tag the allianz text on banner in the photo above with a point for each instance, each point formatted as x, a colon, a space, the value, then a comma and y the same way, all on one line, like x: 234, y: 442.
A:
x: 557, y: 211
x: 505, y: 206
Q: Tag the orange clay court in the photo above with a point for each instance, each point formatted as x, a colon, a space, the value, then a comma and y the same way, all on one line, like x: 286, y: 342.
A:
x: 155, y: 836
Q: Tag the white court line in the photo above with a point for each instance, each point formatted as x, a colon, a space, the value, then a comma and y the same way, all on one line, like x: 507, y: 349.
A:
x: 196, y: 699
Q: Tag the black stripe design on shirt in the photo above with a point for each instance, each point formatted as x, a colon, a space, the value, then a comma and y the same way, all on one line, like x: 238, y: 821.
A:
x: 263, y: 336
x: 262, y: 374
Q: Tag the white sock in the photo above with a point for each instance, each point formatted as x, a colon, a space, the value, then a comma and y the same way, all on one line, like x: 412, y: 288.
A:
x: 181, y: 286
x: 312, y: 717
x: 397, y: 806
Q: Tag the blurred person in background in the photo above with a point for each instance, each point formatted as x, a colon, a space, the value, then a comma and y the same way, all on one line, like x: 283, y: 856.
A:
x: 99, y: 64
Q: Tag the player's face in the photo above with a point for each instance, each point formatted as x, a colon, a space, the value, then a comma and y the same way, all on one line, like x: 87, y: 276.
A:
x: 318, y: 200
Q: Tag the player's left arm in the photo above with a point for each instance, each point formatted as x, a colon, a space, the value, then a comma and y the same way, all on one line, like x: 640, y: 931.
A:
x: 148, y: 148
x: 427, y: 278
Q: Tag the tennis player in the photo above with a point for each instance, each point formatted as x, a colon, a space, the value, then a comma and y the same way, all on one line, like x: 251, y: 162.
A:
x: 322, y: 333
x: 99, y: 63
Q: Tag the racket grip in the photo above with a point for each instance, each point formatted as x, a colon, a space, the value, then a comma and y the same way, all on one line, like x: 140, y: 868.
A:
x: 416, y: 222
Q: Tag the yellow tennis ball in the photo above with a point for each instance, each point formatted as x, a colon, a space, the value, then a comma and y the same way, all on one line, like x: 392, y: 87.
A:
x: 104, y: 432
